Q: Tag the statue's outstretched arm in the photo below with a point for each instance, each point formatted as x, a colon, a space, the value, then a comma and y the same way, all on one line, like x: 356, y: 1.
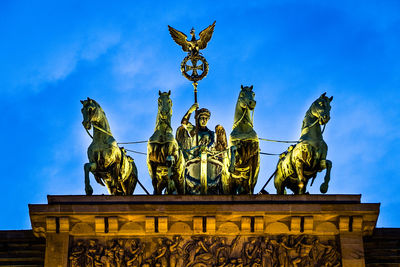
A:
x: 186, y: 118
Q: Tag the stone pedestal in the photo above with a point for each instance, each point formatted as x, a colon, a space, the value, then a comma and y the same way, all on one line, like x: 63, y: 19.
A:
x: 253, y: 230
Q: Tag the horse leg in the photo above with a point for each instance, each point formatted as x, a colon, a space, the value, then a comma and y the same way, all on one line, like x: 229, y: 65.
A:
x: 255, y: 165
x: 170, y: 180
x: 89, y: 167
x: 154, y: 177
x: 129, y: 185
x: 299, y: 169
x: 233, y: 159
x: 325, y: 164
x: 111, y: 187
x: 156, y: 185
x: 278, y: 182
x: 247, y: 184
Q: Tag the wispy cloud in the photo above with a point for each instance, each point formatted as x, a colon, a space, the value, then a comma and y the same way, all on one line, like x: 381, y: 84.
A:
x: 52, y: 64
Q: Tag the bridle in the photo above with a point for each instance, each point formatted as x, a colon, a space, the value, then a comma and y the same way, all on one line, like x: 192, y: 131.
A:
x: 235, y: 124
x: 98, y: 128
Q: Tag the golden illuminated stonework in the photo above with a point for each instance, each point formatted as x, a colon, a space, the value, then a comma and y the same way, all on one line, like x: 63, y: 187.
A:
x: 258, y: 230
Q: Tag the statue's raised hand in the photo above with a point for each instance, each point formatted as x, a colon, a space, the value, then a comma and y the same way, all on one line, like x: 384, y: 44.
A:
x: 194, y: 107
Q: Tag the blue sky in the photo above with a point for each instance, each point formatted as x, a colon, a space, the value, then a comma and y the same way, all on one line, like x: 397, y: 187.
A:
x: 55, y: 53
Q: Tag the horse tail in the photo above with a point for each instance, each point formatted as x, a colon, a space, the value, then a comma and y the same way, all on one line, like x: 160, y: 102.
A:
x: 133, y: 179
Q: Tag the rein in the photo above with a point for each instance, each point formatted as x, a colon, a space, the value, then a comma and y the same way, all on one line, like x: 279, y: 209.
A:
x: 315, y: 122
x: 98, y: 128
x: 241, y: 118
x: 291, y: 142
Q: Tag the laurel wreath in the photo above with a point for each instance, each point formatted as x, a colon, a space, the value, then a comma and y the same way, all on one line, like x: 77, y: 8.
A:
x: 194, y: 58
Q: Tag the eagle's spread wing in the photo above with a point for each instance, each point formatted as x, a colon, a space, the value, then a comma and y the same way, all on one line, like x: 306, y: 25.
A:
x: 180, y: 38
x: 205, y: 36
x: 221, y: 143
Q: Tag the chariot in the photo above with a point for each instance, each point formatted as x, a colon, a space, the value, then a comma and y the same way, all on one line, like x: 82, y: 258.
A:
x: 198, y: 160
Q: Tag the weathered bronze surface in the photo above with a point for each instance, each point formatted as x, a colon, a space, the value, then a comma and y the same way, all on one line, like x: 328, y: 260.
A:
x: 205, y: 135
x: 206, y: 164
x: 164, y: 158
x: 109, y: 163
x: 244, y: 146
x: 194, y: 45
x: 301, y: 162
x: 194, y: 71
x: 205, y: 250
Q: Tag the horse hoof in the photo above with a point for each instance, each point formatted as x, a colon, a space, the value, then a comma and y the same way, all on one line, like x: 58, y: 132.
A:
x: 301, y: 185
x: 323, y: 188
x: 89, y: 191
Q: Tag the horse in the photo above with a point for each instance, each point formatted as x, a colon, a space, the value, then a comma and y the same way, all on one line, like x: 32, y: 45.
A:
x: 302, y: 161
x: 164, y: 158
x: 108, y: 162
x: 244, y: 146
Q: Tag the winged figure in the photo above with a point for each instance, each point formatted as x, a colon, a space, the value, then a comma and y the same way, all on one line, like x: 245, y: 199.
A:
x: 194, y: 45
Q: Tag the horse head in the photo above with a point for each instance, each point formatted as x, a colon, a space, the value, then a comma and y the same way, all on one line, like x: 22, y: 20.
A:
x: 164, y: 105
x: 321, y: 108
x: 246, y: 97
x: 91, y: 112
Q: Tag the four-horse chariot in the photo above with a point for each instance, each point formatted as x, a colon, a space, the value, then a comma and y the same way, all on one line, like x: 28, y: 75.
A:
x: 198, y: 160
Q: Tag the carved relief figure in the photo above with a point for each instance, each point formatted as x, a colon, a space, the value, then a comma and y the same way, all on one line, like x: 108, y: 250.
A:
x: 135, y: 255
x: 203, y: 250
x: 224, y: 250
x: 160, y: 255
x: 109, y: 163
x: 93, y: 250
x: 331, y: 256
x: 267, y: 253
x: 77, y: 256
x: 301, y: 162
x: 175, y: 251
x: 110, y: 253
x: 199, y: 251
x: 120, y: 253
x: 283, y: 252
x: 304, y: 256
x: 251, y: 250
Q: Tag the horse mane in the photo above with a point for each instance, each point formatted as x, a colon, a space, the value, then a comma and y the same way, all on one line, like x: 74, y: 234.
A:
x: 241, y: 114
x: 306, y: 116
x: 106, y: 124
x: 309, y: 112
x: 168, y: 120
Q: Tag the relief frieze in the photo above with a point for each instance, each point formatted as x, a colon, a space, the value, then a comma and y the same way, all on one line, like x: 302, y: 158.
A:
x: 205, y: 250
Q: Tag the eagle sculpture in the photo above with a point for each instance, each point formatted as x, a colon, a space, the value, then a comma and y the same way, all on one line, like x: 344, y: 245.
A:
x: 195, y: 45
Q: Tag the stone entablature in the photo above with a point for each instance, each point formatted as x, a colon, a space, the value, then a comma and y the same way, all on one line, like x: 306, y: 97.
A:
x: 340, y: 218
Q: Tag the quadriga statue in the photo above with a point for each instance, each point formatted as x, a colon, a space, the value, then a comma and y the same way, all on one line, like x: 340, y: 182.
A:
x: 109, y: 163
x: 164, y: 158
x: 302, y: 161
x: 244, y: 145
